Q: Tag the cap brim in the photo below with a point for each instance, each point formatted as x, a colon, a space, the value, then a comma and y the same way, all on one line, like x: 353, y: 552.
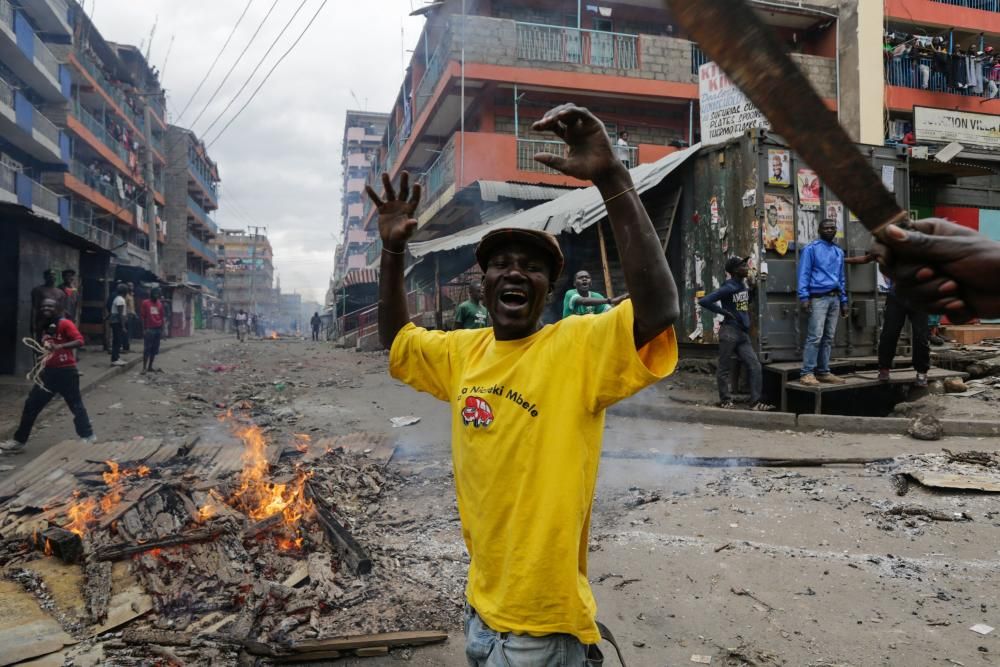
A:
x: 544, y: 241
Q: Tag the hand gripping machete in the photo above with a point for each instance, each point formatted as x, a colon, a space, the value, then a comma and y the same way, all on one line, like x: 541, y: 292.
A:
x: 732, y: 34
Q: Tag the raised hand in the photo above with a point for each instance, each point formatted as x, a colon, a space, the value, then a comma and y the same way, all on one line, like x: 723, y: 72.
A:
x: 589, y: 156
x: 941, y: 267
x: 395, y: 213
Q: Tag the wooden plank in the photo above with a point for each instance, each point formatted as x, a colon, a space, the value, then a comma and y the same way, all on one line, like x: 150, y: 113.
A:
x: 128, y: 600
x: 121, y: 550
x: 608, y: 287
x: 25, y: 630
x: 352, y: 554
x: 673, y: 216
x: 945, y: 480
x: 415, y: 638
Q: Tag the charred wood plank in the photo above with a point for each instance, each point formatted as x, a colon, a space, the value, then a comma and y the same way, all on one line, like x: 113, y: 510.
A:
x: 145, y: 636
x: 414, y: 638
x: 356, y: 558
x: 122, y: 550
x: 63, y: 544
x: 97, y: 589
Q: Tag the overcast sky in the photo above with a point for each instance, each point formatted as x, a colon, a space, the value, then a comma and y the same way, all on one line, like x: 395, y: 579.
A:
x: 280, y: 160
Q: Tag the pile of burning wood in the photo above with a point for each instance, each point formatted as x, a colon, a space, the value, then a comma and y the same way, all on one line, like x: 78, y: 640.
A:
x: 282, y: 560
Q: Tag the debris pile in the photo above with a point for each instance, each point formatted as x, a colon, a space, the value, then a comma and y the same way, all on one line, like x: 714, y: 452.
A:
x: 212, y: 550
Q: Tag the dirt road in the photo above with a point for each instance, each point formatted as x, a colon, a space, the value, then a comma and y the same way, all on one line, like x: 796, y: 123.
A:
x: 801, y: 566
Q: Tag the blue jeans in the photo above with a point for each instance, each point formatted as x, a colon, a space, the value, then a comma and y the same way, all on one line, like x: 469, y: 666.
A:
x: 485, y: 647
x: 819, y: 337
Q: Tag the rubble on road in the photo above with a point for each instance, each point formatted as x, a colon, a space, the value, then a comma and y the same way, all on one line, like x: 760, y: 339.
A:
x: 209, y: 549
x: 971, y: 471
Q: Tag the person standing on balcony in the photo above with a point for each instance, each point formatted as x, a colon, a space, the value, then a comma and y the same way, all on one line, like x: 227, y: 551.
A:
x: 822, y: 289
x: 152, y: 330
x: 622, y: 151
x: 471, y: 313
x: 526, y: 425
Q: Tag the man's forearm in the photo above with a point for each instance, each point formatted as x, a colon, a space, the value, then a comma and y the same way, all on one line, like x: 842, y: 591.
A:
x: 590, y: 301
x: 393, y: 313
x: 647, y: 275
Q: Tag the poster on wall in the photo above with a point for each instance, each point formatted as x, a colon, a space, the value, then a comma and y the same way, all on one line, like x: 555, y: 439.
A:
x: 835, y: 211
x: 808, y: 226
x: 725, y: 112
x: 779, y: 225
x: 779, y: 169
x: 808, y: 187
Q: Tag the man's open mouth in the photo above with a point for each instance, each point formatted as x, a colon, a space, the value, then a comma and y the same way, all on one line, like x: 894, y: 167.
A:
x: 513, y: 298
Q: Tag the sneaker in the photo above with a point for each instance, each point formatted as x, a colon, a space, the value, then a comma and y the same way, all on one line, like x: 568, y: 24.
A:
x: 118, y: 363
x: 921, y: 380
x: 809, y: 380
x: 830, y: 378
x: 883, y: 375
x: 11, y: 446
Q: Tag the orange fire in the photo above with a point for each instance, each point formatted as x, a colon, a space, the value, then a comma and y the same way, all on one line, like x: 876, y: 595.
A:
x: 260, y: 498
x: 286, y: 544
x: 303, y: 442
x: 48, y: 547
x: 274, y: 335
x: 211, y: 506
x: 113, y: 478
x: 143, y: 471
x: 81, y: 513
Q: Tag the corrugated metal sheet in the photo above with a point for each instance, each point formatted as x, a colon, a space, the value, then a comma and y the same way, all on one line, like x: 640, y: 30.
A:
x: 576, y: 210
x: 358, y: 277
x: 494, y: 190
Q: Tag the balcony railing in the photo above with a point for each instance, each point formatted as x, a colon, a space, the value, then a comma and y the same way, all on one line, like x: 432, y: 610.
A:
x: 93, y: 180
x: 202, y: 248
x: 205, y: 183
x: 43, y: 198
x: 46, y: 58
x: 985, y: 5
x: 112, y: 91
x: 97, y: 128
x: 579, y: 47
x: 8, y: 178
x: 917, y: 73
x: 435, y: 67
x: 7, y: 14
x: 6, y: 94
x: 204, y: 281
x: 45, y: 126
x: 91, y: 233
x: 202, y: 215
x: 527, y: 148
x: 698, y: 58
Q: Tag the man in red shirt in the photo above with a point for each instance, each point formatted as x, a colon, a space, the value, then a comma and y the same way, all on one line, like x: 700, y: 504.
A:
x: 151, y: 312
x: 60, y: 338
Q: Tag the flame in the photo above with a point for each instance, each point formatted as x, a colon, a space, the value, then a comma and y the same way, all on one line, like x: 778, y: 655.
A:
x: 211, y: 506
x: 303, y: 436
x: 143, y: 471
x: 81, y: 512
x: 48, y: 547
x: 274, y: 335
x: 260, y: 498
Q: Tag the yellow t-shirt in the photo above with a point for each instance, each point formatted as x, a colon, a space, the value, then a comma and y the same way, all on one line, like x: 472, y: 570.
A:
x: 527, y: 419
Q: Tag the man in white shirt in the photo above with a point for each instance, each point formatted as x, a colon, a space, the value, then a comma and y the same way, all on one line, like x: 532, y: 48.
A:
x: 118, y: 319
x: 622, y: 151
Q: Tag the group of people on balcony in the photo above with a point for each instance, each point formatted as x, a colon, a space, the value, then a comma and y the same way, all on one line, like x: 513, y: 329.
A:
x: 120, y: 133
x: 975, y: 69
x: 109, y: 182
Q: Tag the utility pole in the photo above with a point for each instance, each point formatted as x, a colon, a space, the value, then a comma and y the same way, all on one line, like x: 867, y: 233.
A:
x: 253, y: 266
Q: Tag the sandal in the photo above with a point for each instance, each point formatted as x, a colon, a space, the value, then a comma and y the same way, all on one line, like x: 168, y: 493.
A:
x: 762, y: 407
x: 727, y: 405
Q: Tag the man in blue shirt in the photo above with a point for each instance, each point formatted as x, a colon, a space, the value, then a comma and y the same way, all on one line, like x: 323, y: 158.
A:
x: 734, y: 334
x: 822, y: 289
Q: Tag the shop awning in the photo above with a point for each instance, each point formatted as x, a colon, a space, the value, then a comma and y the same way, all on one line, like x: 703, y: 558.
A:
x: 576, y: 210
x: 357, y: 277
x: 953, y: 168
x: 495, y: 190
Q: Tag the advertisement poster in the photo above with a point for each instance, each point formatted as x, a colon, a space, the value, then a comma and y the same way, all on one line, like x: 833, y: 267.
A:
x: 808, y: 187
x: 835, y: 211
x: 779, y: 223
x: 779, y: 169
x: 808, y: 226
x: 725, y: 112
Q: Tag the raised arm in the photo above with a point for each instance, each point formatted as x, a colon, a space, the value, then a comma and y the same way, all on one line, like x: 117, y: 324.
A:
x: 591, y: 158
x: 395, y: 227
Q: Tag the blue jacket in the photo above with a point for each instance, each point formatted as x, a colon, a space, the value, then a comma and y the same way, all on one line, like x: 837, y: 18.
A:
x: 821, y: 270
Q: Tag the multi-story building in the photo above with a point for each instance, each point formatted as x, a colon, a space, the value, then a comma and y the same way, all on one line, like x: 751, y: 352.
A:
x: 247, y: 275
x: 363, y: 134
x: 476, y: 82
x: 114, y: 124
x: 34, y: 88
x: 189, y: 254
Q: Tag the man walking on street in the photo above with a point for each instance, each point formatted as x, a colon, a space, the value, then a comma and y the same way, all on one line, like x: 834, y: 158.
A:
x: 734, y: 334
x: 152, y: 330
x: 471, y: 313
x: 582, y: 301
x: 894, y: 315
x: 118, y: 319
x: 823, y: 295
x: 526, y: 425
x: 241, y: 324
x: 315, y: 323
x: 59, y: 376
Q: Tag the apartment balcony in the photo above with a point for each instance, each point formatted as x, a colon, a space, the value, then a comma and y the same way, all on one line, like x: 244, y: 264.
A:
x: 107, y: 145
x: 208, y: 188
x: 197, y: 279
x: 18, y: 187
x: 135, y: 255
x: 975, y: 16
x: 52, y: 16
x: 909, y: 83
x: 115, y: 94
x: 84, y: 183
x: 27, y: 56
x: 355, y: 210
x: 24, y: 126
x: 201, y: 216
x: 200, y: 248
x: 358, y: 236
x: 92, y: 233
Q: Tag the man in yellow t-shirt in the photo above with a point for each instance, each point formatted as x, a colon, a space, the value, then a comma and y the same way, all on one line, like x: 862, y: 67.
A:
x: 526, y: 426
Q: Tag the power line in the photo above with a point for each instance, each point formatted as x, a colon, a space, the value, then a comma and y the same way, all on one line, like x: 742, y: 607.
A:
x: 255, y: 69
x: 274, y: 67
x: 214, y: 62
x: 237, y: 62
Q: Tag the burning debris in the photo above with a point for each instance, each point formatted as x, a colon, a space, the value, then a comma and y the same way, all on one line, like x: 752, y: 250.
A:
x: 276, y: 556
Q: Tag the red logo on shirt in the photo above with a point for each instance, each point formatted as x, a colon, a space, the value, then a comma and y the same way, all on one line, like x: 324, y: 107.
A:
x: 477, y: 412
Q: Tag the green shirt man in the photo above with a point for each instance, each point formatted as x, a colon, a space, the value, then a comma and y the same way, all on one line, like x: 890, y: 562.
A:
x: 581, y: 300
x: 472, y: 314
